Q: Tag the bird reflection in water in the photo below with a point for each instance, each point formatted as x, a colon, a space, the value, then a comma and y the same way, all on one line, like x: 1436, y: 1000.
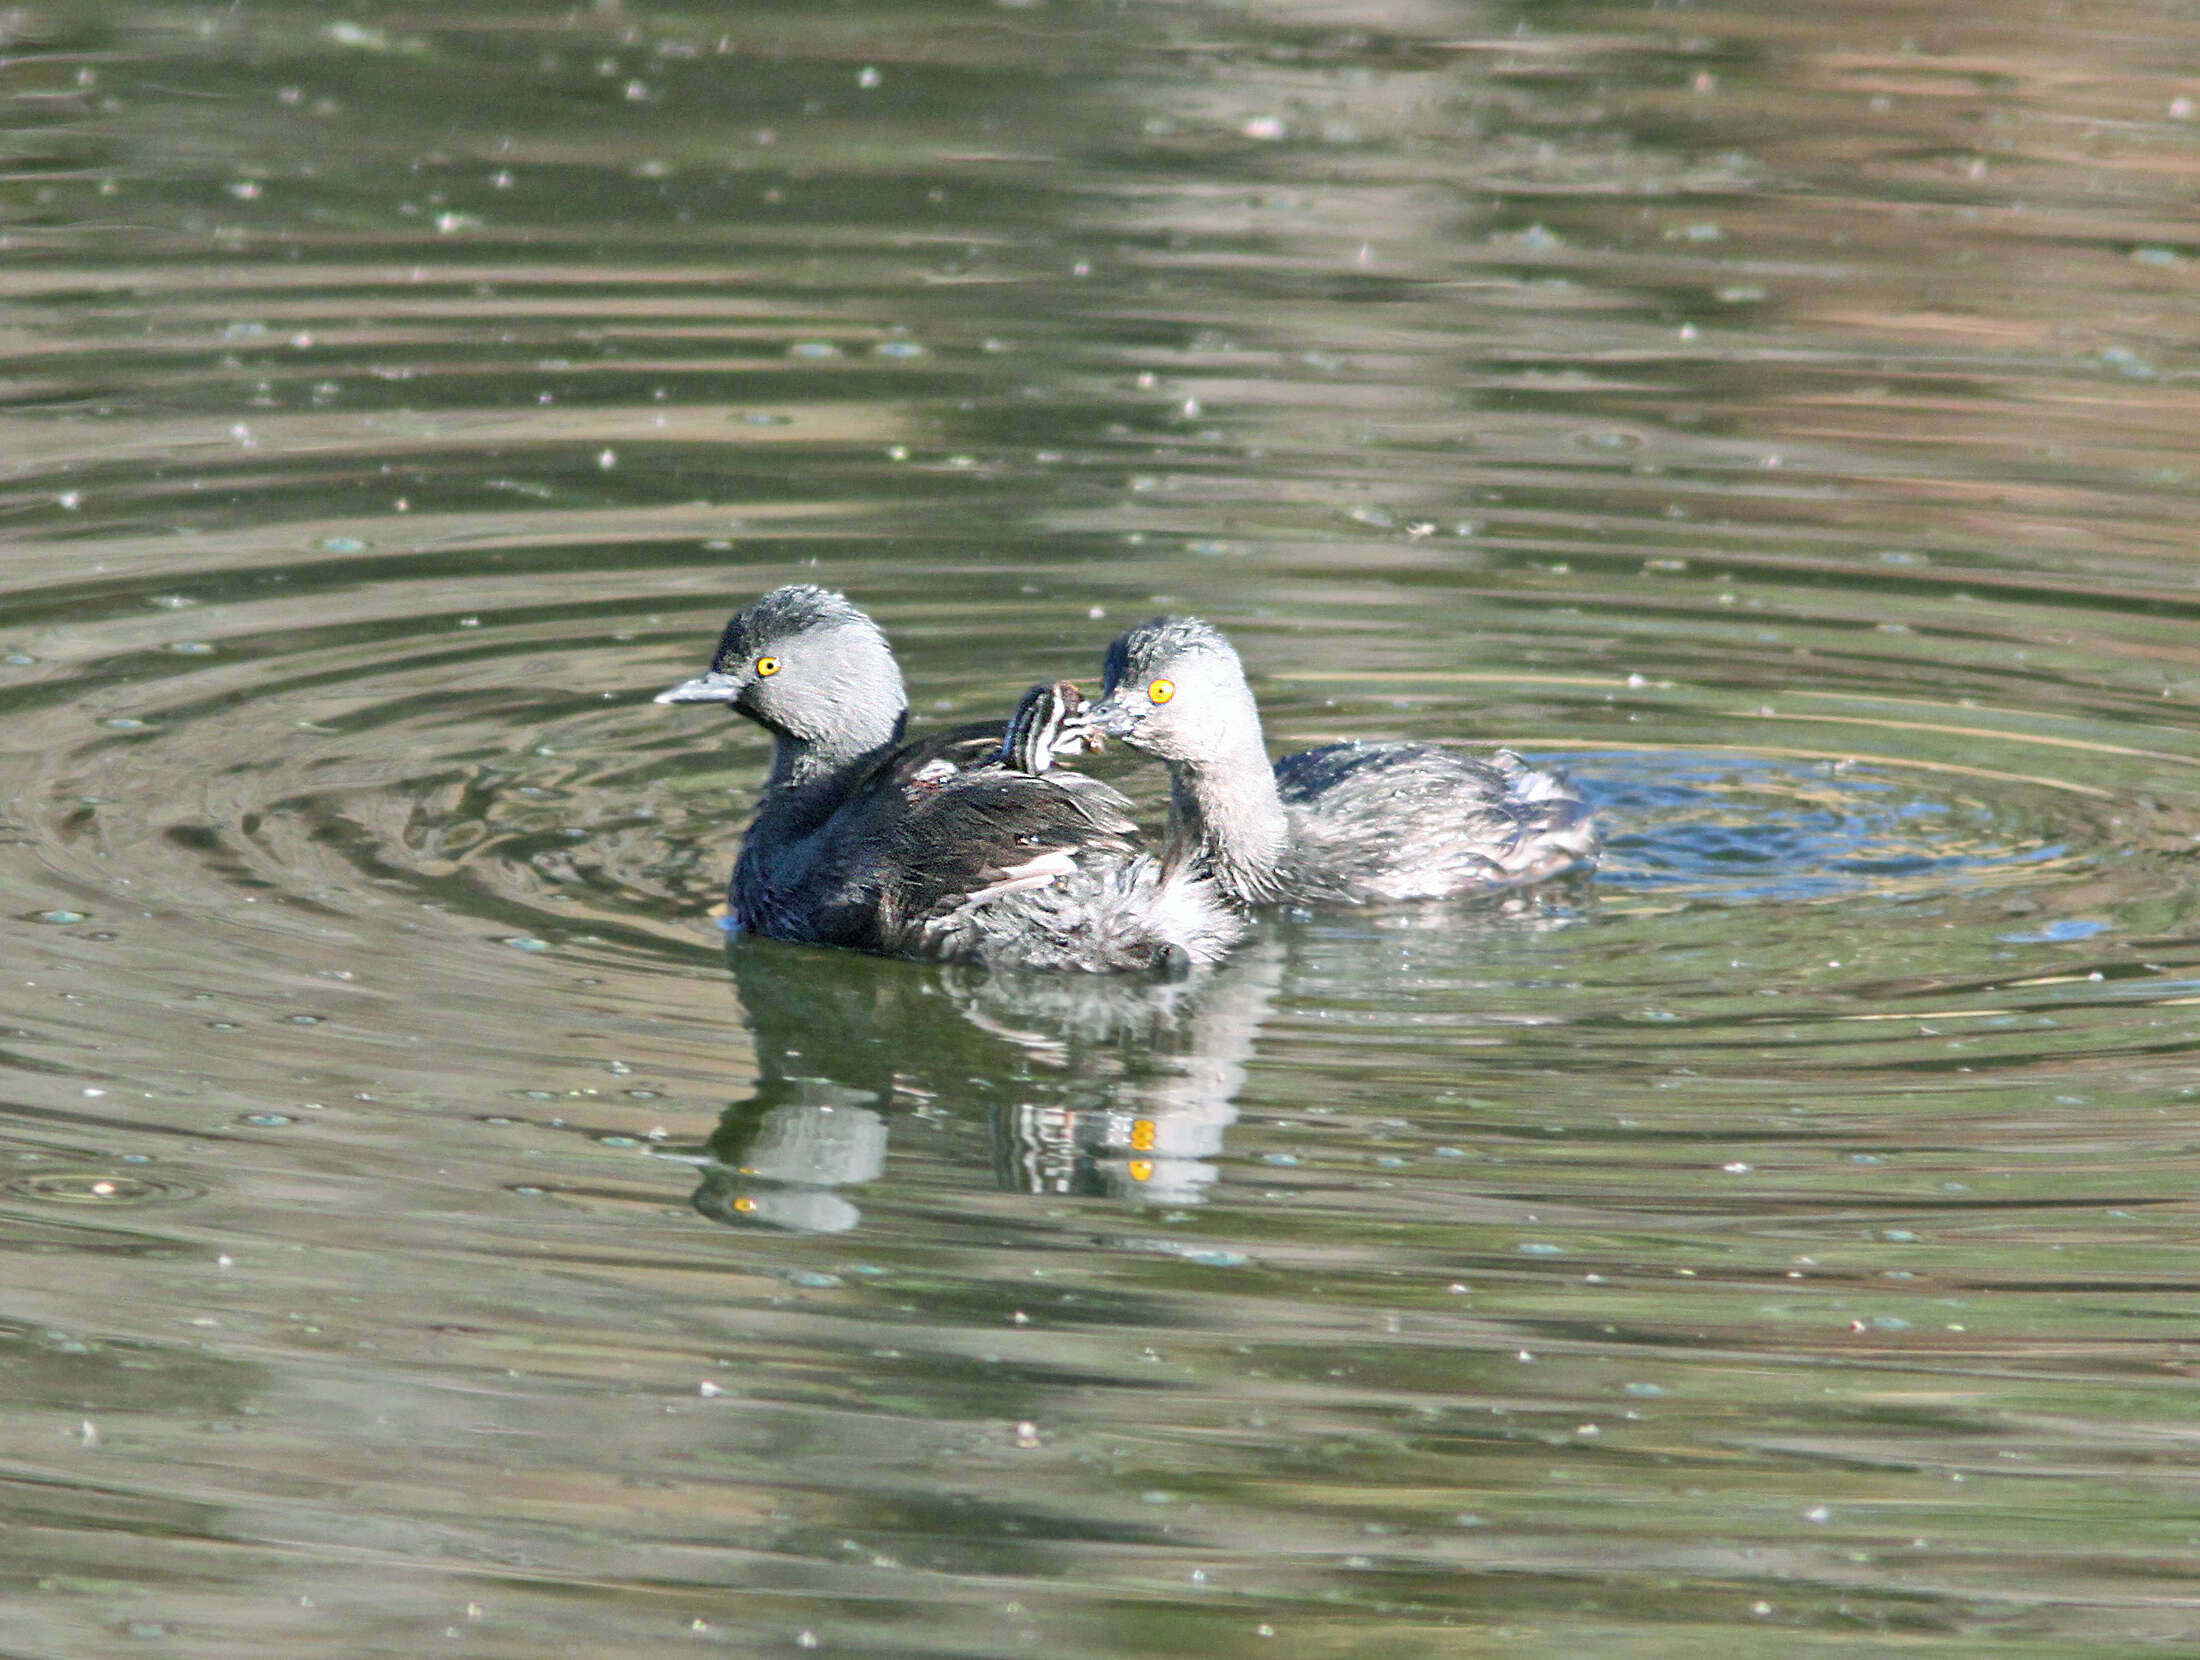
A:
x: 1096, y: 1085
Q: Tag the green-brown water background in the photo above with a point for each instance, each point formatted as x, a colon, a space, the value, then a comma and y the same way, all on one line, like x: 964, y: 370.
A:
x: 419, y: 1242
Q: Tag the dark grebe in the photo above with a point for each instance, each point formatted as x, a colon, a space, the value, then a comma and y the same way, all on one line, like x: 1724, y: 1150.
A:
x: 941, y: 848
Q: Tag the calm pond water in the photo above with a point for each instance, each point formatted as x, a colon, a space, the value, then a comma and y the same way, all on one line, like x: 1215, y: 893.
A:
x: 427, y: 1235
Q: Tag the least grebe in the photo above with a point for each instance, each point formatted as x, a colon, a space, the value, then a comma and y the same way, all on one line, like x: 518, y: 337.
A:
x: 940, y: 848
x: 1349, y: 823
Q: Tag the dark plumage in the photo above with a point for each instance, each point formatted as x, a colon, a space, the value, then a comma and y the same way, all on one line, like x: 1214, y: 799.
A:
x: 937, y: 848
x: 1347, y: 824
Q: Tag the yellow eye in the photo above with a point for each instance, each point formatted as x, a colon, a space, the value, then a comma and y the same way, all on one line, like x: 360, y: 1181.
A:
x: 767, y: 666
x: 1161, y: 690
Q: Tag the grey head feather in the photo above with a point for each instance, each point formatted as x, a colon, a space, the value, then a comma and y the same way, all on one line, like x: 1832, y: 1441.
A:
x: 785, y: 614
x: 814, y: 672
x: 1138, y: 654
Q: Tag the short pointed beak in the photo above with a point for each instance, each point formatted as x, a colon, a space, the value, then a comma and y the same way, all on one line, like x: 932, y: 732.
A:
x: 1111, y: 717
x: 714, y: 687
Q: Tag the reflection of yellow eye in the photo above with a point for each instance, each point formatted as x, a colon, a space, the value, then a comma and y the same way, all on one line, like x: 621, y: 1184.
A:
x: 1142, y: 1135
x: 767, y: 666
x: 1161, y: 690
x: 1141, y: 1170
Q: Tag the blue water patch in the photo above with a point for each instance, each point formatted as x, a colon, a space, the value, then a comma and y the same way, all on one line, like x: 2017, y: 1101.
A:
x: 2057, y: 933
x: 1744, y: 828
